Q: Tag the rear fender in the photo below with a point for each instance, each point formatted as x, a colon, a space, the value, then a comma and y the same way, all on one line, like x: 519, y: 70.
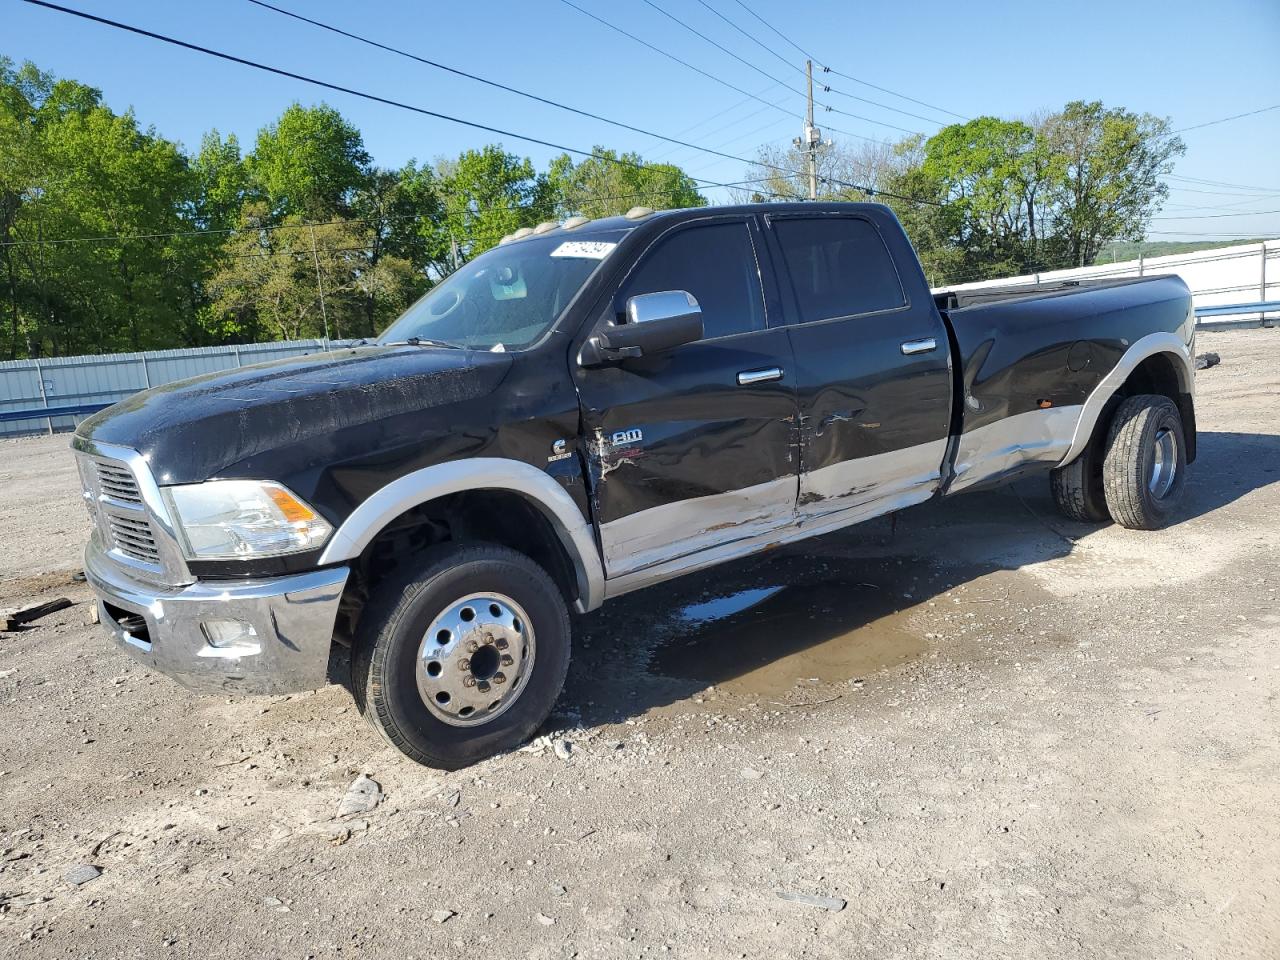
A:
x: 1152, y: 344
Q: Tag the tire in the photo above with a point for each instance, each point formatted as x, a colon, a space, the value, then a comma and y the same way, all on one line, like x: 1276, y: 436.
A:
x: 1078, y: 488
x: 1144, y: 470
x: 429, y: 696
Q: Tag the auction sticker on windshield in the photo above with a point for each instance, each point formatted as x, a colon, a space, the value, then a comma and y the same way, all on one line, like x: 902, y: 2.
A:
x: 584, y: 249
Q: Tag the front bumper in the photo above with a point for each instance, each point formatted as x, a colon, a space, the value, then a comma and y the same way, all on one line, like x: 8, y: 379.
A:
x: 287, y: 650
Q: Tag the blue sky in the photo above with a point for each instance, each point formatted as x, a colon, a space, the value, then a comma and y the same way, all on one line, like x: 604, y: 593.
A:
x: 1185, y: 59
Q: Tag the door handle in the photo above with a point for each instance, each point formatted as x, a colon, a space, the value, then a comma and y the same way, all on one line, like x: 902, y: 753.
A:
x: 748, y: 377
x: 927, y: 345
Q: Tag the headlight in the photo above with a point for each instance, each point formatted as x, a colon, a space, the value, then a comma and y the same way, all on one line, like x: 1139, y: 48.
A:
x: 242, y: 519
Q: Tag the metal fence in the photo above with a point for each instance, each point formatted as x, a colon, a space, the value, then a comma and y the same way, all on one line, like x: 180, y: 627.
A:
x: 1245, y: 274
x: 71, y: 388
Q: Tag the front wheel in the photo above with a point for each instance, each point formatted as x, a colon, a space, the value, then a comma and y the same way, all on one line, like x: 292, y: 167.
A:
x: 1145, y: 466
x: 462, y: 657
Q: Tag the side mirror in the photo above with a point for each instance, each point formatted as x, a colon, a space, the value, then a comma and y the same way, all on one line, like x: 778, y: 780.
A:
x: 654, y: 322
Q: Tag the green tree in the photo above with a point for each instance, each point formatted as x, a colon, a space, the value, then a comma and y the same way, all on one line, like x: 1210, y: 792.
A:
x: 309, y: 163
x: 222, y: 180
x: 990, y: 172
x: 484, y: 195
x: 1107, y: 185
x: 608, y: 184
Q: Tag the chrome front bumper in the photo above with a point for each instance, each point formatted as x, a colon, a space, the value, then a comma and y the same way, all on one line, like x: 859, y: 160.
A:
x: 287, y: 650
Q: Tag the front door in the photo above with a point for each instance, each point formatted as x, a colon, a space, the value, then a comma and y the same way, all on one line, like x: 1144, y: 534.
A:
x: 694, y: 447
x: 873, y: 370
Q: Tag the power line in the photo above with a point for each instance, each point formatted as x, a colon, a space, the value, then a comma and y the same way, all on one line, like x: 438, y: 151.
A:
x: 748, y: 63
x: 1220, y: 183
x: 1220, y: 193
x: 479, y: 79
x: 883, y: 106
x: 759, y: 43
x: 406, y: 106
x: 493, y: 83
x: 807, y: 54
x: 827, y: 69
x: 1189, y: 233
x: 826, y: 88
x: 684, y: 63
x: 659, y: 50
x: 723, y: 49
x: 1215, y: 216
x: 868, y: 83
x: 671, y: 151
x: 857, y: 116
x: 1236, y: 116
x: 554, y: 103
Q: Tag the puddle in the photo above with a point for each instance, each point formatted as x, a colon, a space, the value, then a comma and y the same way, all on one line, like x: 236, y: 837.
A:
x: 720, y: 607
x: 768, y: 640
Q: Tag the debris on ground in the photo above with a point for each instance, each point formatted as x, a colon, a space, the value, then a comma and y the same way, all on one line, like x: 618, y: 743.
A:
x: 1206, y: 360
x: 81, y: 874
x: 562, y: 748
x: 834, y: 904
x: 362, y: 796
x: 546, y: 921
x: 443, y: 915
x: 12, y: 618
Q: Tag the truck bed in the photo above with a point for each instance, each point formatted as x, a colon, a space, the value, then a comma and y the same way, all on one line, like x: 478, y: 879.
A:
x: 956, y: 299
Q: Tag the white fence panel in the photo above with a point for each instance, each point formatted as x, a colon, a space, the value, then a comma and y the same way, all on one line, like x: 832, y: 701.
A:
x: 1248, y: 273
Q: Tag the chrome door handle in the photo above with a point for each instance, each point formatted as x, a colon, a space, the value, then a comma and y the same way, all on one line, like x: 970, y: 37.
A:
x: 927, y: 345
x: 748, y: 377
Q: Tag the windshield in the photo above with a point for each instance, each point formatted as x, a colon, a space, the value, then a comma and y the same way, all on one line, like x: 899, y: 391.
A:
x: 508, y: 297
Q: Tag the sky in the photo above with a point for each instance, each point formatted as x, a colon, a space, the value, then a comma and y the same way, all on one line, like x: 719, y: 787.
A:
x: 1183, y: 59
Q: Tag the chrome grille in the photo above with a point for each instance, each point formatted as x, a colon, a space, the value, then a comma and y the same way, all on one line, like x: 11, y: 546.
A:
x: 117, y: 507
x: 133, y: 538
x: 131, y: 521
x: 115, y: 481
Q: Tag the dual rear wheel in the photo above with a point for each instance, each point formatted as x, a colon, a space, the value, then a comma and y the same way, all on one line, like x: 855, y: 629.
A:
x: 1132, y: 472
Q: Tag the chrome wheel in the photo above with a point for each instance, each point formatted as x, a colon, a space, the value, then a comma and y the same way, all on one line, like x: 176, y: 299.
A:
x: 475, y: 659
x: 1164, y: 463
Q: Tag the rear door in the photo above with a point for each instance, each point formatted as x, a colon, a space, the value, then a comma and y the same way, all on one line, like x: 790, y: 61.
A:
x: 872, y: 364
x: 693, y: 448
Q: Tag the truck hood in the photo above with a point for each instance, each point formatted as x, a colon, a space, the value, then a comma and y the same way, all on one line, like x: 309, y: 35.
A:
x: 193, y: 430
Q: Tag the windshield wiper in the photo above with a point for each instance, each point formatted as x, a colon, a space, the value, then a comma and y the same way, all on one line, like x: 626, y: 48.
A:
x: 421, y: 342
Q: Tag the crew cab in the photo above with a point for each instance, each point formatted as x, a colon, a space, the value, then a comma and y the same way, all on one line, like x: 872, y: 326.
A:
x: 588, y: 409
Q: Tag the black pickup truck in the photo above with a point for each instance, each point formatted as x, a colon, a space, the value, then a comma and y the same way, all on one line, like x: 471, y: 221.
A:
x: 590, y: 408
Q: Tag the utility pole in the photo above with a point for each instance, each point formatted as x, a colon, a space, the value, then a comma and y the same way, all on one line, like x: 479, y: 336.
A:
x: 315, y: 257
x: 812, y: 138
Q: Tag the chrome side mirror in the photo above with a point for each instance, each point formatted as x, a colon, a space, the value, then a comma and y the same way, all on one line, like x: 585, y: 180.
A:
x: 653, y: 322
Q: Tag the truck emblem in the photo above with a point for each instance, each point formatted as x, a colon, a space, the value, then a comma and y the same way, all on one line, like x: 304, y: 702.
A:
x: 624, y: 438
x: 559, y: 451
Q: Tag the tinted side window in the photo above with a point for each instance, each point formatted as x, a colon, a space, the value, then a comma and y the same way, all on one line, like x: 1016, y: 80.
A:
x: 717, y: 264
x: 839, y: 267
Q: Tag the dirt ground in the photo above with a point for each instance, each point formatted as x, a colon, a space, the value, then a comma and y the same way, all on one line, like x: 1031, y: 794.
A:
x: 993, y: 732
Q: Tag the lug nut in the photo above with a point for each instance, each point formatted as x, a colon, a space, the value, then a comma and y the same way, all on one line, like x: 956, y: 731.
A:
x: 464, y: 664
x: 501, y: 643
x: 472, y: 646
x: 506, y: 660
x: 499, y: 678
x: 483, y: 686
x: 468, y: 681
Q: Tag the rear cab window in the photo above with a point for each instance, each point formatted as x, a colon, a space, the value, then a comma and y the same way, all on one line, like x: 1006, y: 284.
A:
x: 838, y: 266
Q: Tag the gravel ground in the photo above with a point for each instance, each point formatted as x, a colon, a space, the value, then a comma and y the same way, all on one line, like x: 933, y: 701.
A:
x: 993, y: 732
